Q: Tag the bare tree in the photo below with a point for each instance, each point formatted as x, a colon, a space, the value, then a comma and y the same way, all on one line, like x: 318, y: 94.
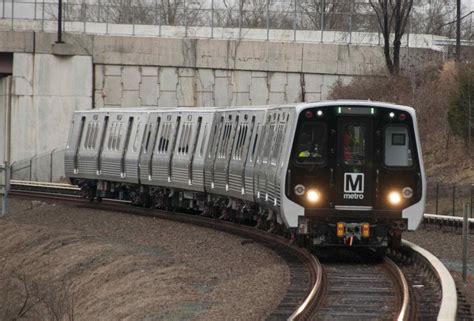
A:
x: 392, y: 17
x: 432, y: 16
x: 334, y: 14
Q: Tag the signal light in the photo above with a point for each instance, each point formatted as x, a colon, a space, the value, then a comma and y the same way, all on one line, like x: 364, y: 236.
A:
x: 309, y: 114
x: 340, y: 229
x: 402, y: 117
x: 365, y: 230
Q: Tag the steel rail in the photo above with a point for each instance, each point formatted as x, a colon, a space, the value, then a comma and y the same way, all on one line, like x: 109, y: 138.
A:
x: 449, y: 299
x: 447, y: 218
x: 302, y: 311
x: 406, y: 308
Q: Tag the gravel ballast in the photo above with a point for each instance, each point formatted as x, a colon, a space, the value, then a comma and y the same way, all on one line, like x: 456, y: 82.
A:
x: 446, y: 244
x: 112, y: 266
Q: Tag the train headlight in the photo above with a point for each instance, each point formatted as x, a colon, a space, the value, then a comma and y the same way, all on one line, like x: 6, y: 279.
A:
x: 313, y: 196
x: 394, y: 198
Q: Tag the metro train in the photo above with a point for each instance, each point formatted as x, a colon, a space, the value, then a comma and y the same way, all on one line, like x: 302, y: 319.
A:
x: 336, y: 173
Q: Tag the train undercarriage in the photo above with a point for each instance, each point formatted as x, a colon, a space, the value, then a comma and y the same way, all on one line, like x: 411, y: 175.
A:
x: 314, y: 231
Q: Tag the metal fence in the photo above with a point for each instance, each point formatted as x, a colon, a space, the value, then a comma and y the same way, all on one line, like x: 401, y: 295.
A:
x: 448, y: 199
x: 346, y: 17
x: 45, y: 167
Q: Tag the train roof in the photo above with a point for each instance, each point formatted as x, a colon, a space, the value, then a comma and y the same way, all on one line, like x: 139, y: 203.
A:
x: 298, y: 106
x: 349, y: 102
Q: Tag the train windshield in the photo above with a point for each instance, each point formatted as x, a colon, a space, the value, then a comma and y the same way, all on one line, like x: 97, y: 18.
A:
x: 354, y: 141
x: 311, y: 143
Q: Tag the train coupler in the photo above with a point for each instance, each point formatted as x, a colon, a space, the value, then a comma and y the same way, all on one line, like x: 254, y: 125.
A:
x: 349, y: 231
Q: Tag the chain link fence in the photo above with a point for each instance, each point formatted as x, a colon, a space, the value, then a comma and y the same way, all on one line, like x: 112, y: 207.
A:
x: 448, y: 199
x: 45, y: 167
x: 339, y: 21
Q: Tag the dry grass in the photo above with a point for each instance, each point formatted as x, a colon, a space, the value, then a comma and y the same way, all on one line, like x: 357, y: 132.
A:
x: 26, y: 298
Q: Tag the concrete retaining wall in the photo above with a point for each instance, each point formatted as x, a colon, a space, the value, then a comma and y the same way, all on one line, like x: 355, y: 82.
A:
x: 52, y: 80
x: 129, y: 86
x: 46, y: 89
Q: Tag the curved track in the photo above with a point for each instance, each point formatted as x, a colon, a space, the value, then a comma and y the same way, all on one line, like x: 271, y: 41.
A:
x: 360, y: 285
x: 409, y: 284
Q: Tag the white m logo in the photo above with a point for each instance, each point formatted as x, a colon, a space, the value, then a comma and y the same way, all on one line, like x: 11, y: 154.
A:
x: 353, y: 182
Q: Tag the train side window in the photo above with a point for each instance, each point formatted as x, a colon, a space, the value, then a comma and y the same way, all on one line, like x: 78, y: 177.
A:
x: 88, y: 133
x: 137, y: 135
x: 311, y: 144
x: 398, y: 152
x: 354, y: 144
x: 204, y: 135
x: 252, y: 156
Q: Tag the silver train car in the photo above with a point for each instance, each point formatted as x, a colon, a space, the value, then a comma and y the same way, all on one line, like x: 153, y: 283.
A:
x: 340, y: 173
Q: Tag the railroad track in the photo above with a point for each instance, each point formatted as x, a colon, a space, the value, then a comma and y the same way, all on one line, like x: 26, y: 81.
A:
x: 361, y: 285
x: 409, y: 284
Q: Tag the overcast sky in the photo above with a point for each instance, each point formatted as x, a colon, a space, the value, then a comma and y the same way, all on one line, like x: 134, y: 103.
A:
x: 469, y: 4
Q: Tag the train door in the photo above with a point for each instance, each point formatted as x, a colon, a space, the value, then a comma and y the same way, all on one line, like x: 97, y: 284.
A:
x: 355, y: 166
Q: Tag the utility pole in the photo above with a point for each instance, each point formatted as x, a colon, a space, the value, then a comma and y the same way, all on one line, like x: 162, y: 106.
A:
x: 458, y: 30
x: 60, y: 21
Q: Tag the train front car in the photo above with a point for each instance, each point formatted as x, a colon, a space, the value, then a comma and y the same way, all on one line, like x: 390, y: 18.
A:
x: 356, y: 169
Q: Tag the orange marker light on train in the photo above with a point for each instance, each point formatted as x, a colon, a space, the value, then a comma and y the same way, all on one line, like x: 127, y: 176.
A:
x: 365, y: 230
x: 340, y: 230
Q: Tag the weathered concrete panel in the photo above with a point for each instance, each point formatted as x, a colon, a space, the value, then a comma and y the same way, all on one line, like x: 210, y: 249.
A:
x: 141, y: 51
x: 149, y: 71
x: 113, y: 91
x: 277, y: 81
x: 98, y: 99
x: 168, y: 79
x: 168, y: 99
x: 113, y: 70
x: 23, y: 74
x: 328, y: 82
x: 24, y: 131
x: 276, y: 98
x: 241, y: 81
x: 223, y: 91
x: 285, y: 57
x: 78, y: 44
x: 293, y: 88
x: 205, y: 99
x: 312, y: 97
x: 70, y: 76
x: 215, y: 54
x: 320, y: 58
x: 131, y: 78
x: 130, y: 98
x: 313, y: 83
x: 258, y: 91
x: 149, y: 91
x: 185, y: 92
x: 205, y: 80
x: 99, y: 73
x: 14, y: 41
x: 241, y: 99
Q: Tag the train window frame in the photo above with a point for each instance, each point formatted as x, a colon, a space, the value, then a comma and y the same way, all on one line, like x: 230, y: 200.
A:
x: 324, y: 157
x: 410, y: 137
